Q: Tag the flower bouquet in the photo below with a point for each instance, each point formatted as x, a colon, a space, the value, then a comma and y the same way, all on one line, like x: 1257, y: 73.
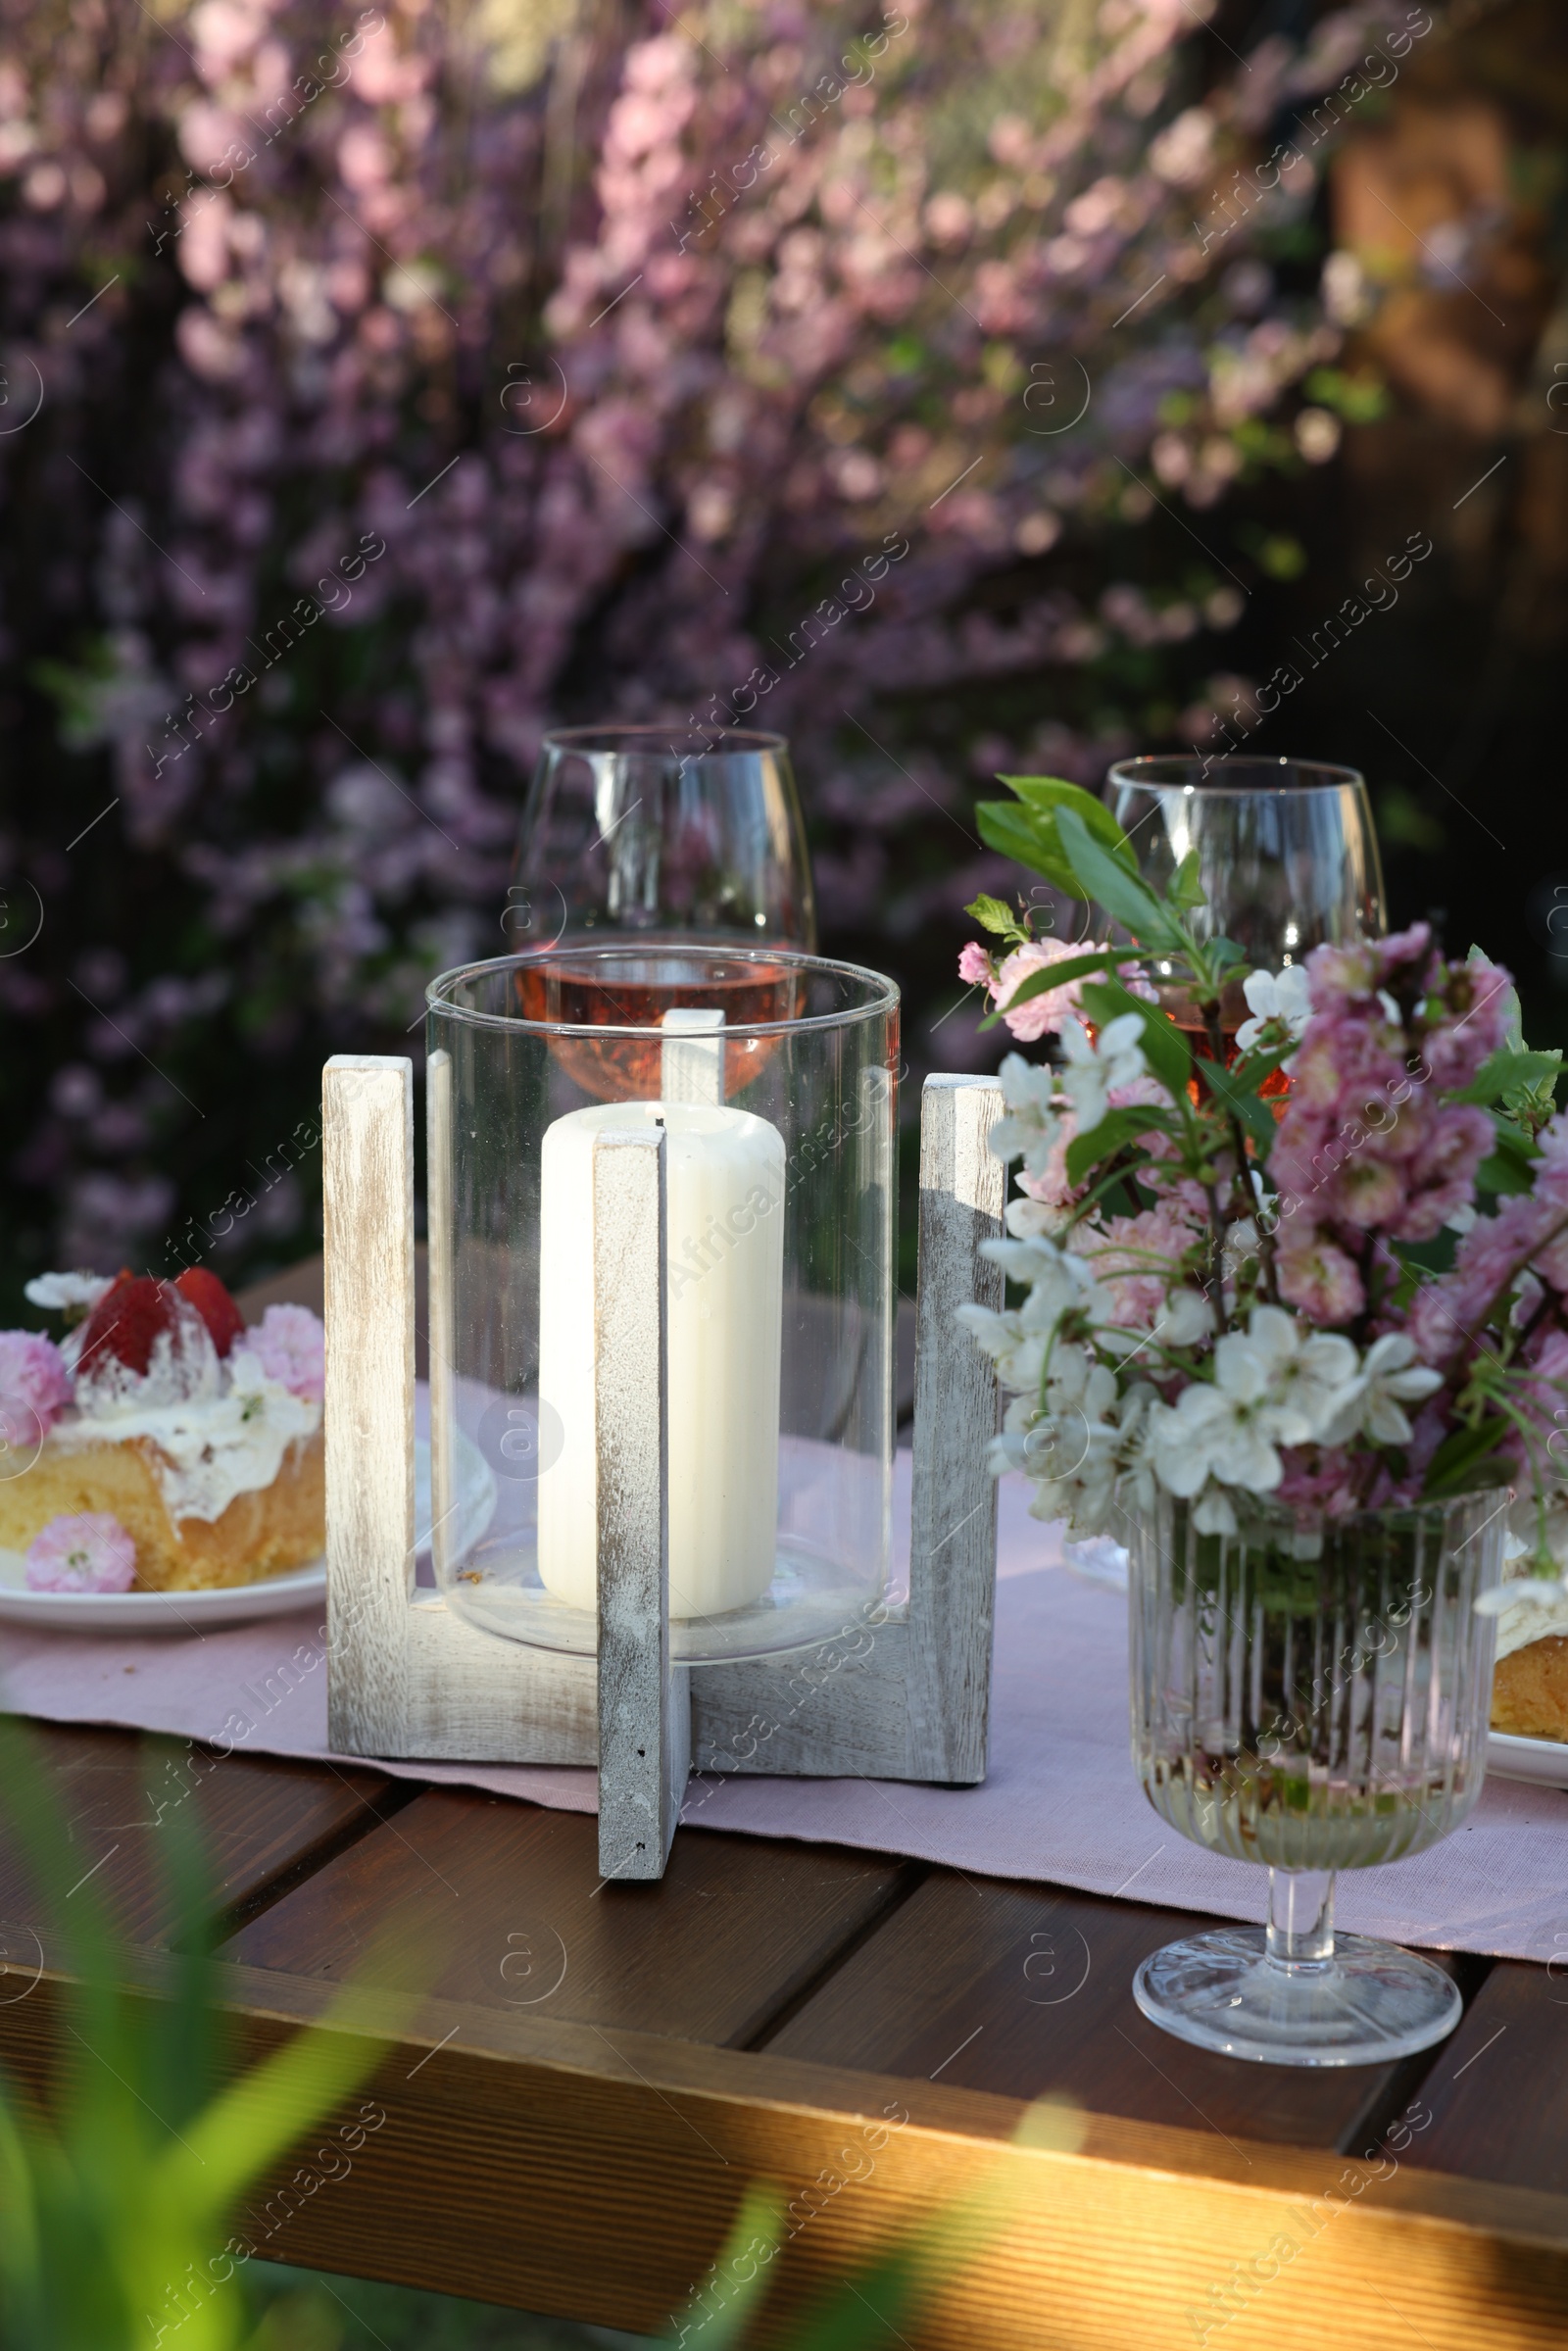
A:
x: 1297, y: 1353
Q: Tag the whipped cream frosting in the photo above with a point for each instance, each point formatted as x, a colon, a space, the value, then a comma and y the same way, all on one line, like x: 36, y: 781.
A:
x: 218, y: 1429
x: 1526, y: 1620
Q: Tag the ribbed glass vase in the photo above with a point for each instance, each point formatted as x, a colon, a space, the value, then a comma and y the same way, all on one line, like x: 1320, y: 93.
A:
x: 1313, y: 1698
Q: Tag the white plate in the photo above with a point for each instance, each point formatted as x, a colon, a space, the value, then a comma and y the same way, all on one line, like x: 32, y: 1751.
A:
x: 153, y: 1611
x: 233, y: 1603
x: 1542, y: 1760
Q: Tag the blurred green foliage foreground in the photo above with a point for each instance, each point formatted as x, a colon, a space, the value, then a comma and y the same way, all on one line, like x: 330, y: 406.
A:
x: 122, y: 2221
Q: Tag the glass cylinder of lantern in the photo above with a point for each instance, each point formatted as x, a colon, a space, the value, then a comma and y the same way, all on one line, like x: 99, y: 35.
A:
x: 772, y: 1076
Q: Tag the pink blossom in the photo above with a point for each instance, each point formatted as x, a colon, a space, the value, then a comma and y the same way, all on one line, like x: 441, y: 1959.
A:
x: 349, y: 272
x: 1347, y: 973
x: 89, y: 1551
x: 1043, y: 1015
x: 975, y: 965
x: 289, y: 1343
x: 1451, y: 1311
x: 1481, y: 996
x: 1137, y: 1257
x: 1318, y: 1482
x: 1443, y: 1175
x: 1543, y: 1396
x: 1315, y: 1274
x: 35, y: 1385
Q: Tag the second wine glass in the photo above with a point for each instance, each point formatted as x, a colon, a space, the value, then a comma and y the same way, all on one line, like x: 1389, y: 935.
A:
x: 1286, y: 857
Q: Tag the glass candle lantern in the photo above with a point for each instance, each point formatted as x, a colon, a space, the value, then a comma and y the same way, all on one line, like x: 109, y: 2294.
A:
x: 772, y: 1075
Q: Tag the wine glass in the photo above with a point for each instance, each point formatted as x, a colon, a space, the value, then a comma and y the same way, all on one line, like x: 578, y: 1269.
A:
x: 1286, y: 857
x: 649, y: 842
x: 689, y: 834
x: 1312, y: 1697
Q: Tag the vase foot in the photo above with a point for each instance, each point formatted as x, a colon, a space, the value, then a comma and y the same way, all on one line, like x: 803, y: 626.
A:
x: 1368, y: 2004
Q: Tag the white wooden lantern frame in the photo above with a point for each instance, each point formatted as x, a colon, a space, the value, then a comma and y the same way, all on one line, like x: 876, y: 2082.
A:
x: 904, y: 1694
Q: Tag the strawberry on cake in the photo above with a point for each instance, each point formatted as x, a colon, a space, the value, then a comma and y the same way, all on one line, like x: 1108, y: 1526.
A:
x: 161, y: 1427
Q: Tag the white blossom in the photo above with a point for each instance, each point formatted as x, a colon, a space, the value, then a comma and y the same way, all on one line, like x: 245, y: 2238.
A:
x: 1223, y: 1428
x: 1187, y: 1318
x: 1027, y: 1219
x: 1272, y: 996
x: 1310, y: 1376
x: 1390, y: 1379
x: 1028, y: 1127
x: 1093, y: 1066
x: 1213, y: 1512
x: 56, y: 1291
x: 1019, y: 1356
x: 1060, y: 1283
x: 1077, y: 1384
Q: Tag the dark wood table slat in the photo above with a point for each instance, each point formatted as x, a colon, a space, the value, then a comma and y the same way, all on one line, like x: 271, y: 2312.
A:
x: 1497, y: 2091
x: 261, y: 1819
x: 507, y: 1905
x: 560, y: 2167
x: 1022, y: 1990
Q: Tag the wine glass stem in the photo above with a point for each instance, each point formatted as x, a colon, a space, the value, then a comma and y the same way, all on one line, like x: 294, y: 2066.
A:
x: 1301, y: 1916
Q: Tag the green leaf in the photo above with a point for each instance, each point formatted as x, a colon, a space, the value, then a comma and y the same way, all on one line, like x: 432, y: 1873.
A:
x: 1253, y: 1114
x: 1013, y: 833
x: 1165, y: 1049
x: 1498, y: 1174
x: 1120, y: 890
x: 1186, y: 890
x: 757, y: 2227
x: 1458, y: 1457
x: 1429, y: 1256
x: 1114, y: 1132
x: 235, y: 2137
x: 1253, y: 1069
x: 1506, y: 1073
x: 1029, y: 833
x: 993, y: 915
x: 1511, y: 1167
x: 1046, y: 795
x: 1058, y: 975
x: 1106, y: 1188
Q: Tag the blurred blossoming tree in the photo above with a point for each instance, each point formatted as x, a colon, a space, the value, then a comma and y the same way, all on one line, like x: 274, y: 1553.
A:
x: 414, y: 378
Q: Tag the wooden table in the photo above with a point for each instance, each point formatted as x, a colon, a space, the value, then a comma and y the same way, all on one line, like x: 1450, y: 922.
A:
x: 596, y: 2071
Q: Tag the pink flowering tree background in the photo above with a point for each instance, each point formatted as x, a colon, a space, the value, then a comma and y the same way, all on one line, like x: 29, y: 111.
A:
x: 408, y: 383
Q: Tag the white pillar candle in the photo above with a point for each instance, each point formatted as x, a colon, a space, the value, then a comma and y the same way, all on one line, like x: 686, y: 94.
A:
x: 724, y: 1203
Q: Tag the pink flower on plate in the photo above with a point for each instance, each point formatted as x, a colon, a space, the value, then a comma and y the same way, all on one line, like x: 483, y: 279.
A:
x: 289, y: 1343
x: 89, y: 1551
x: 34, y: 1386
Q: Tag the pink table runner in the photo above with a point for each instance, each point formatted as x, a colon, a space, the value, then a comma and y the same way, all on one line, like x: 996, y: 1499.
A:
x: 1061, y: 1804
